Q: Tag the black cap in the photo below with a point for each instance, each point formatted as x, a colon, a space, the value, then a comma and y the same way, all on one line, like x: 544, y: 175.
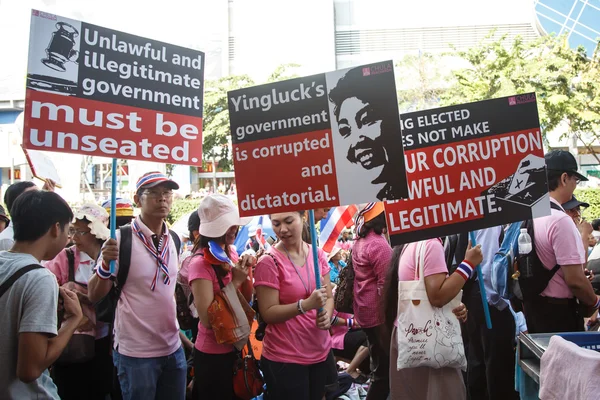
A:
x: 563, y: 161
x: 574, y: 203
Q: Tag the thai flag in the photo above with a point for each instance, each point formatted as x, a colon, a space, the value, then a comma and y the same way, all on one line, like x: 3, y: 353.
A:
x: 337, y: 219
x: 259, y: 232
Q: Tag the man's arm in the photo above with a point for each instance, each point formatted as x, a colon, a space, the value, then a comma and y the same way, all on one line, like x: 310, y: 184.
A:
x: 100, y: 283
x: 579, y: 284
x: 37, y: 351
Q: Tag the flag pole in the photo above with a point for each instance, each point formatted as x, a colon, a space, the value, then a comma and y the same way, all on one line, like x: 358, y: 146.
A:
x: 486, y: 308
x: 315, y: 254
x: 113, y: 211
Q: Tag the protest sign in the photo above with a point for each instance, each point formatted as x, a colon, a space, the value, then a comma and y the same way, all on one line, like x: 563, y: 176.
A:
x: 470, y: 166
x: 97, y: 91
x: 318, y: 141
x: 42, y: 166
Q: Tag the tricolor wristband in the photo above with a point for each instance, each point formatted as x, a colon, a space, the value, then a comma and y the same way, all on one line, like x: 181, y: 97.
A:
x: 102, y: 272
x: 597, y: 305
x: 465, y: 269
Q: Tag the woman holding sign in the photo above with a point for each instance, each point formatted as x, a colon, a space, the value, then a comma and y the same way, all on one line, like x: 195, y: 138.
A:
x: 444, y: 380
x: 297, y: 361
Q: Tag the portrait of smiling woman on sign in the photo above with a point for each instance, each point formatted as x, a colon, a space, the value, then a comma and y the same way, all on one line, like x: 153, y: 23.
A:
x: 366, y: 132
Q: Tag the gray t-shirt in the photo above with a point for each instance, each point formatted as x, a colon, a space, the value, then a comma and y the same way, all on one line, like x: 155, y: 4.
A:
x: 28, y: 306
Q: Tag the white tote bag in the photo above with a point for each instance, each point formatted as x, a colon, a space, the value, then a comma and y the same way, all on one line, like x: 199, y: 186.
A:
x: 427, y: 336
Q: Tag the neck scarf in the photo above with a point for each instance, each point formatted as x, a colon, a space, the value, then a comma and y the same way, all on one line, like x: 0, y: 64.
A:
x: 161, y: 254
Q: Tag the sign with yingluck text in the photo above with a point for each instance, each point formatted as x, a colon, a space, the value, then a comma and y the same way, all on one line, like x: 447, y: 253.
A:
x: 318, y: 141
x: 97, y: 91
x: 470, y: 166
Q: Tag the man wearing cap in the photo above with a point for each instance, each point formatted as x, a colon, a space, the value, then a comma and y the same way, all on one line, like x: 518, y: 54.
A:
x: 147, y: 350
x: 573, y: 209
x: 558, y: 242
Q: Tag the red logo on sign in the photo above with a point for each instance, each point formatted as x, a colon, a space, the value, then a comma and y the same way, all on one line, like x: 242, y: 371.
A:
x: 366, y: 71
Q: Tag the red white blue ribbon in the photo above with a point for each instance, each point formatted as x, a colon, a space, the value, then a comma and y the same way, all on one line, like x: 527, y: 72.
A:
x: 161, y: 255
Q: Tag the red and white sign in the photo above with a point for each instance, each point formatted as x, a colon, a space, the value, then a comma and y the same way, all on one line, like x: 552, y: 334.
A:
x: 469, y: 167
x: 96, y: 91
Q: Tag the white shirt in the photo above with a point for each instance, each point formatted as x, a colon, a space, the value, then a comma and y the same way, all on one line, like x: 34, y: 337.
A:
x: 7, y: 238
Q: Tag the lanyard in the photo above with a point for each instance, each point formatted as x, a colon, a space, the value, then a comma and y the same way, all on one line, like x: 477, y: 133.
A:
x: 307, y: 283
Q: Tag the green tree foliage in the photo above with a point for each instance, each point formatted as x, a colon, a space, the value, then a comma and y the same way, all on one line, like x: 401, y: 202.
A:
x: 216, y: 137
x: 420, y: 80
x: 565, y: 81
x: 592, y: 197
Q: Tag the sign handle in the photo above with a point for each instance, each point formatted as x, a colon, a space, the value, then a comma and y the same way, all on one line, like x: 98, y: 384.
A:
x: 113, y: 208
x: 486, y: 308
x: 315, y: 248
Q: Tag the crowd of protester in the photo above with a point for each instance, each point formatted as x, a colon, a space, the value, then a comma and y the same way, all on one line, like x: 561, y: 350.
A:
x: 162, y: 338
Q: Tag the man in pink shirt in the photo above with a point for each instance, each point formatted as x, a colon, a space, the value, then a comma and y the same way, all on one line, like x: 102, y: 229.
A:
x: 558, y: 242
x: 147, y: 349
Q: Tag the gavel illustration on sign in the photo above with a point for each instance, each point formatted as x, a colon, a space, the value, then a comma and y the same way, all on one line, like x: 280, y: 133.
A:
x: 61, y: 47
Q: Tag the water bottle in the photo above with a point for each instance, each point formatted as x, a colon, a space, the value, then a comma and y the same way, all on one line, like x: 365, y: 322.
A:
x: 525, y: 247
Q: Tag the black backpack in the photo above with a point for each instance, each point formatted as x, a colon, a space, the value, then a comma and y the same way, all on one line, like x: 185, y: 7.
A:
x: 531, y: 285
x: 105, y: 307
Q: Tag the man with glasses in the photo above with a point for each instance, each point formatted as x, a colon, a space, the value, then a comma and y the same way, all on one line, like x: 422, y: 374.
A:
x: 147, y: 351
x: 558, y: 242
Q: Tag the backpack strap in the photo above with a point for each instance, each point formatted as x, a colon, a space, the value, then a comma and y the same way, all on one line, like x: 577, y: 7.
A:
x: 556, y: 206
x: 176, y: 240
x: 13, y: 278
x: 124, y: 257
x: 71, y: 259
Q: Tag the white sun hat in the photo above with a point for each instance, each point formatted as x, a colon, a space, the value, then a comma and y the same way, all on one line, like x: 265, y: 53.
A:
x: 218, y: 213
x: 98, y: 220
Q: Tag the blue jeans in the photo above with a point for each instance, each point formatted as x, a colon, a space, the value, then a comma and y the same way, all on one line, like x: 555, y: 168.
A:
x: 152, y: 378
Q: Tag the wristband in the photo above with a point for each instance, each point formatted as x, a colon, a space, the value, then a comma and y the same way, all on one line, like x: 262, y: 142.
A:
x: 103, y: 271
x: 299, y: 306
x: 349, y: 322
x: 334, y: 320
x: 597, y: 305
x: 465, y: 270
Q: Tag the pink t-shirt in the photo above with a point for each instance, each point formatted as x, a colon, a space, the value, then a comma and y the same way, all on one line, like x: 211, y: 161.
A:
x: 339, y: 332
x: 199, y: 268
x: 557, y: 241
x: 297, y: 340
x: 434, y: 261
x: 145, y: 319
x: 371, y: 257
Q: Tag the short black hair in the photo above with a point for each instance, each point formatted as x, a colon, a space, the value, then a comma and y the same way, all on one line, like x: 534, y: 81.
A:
x: 14, y: 191
x: 193, y: 224
x: 596, y: 224
x: 35, y: 212
x: 554, y: 178
x: 377, y: 225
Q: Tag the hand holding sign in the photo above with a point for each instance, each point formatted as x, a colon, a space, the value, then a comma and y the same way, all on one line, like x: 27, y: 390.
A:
x: 474, y: 255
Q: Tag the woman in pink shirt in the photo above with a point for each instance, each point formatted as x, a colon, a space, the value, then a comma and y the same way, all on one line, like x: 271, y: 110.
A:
x: 371, y: 256
x: 424, y: 383
x: 213, y: 362
x: 297, y: 361
x: 91, y: 379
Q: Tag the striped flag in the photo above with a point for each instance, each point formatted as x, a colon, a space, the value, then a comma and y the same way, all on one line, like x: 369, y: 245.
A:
x: 337, y: 219
x: 259, y: 232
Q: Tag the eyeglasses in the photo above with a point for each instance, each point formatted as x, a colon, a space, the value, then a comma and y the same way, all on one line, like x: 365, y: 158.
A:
x: 75, y: 232
x: 168, y: 194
